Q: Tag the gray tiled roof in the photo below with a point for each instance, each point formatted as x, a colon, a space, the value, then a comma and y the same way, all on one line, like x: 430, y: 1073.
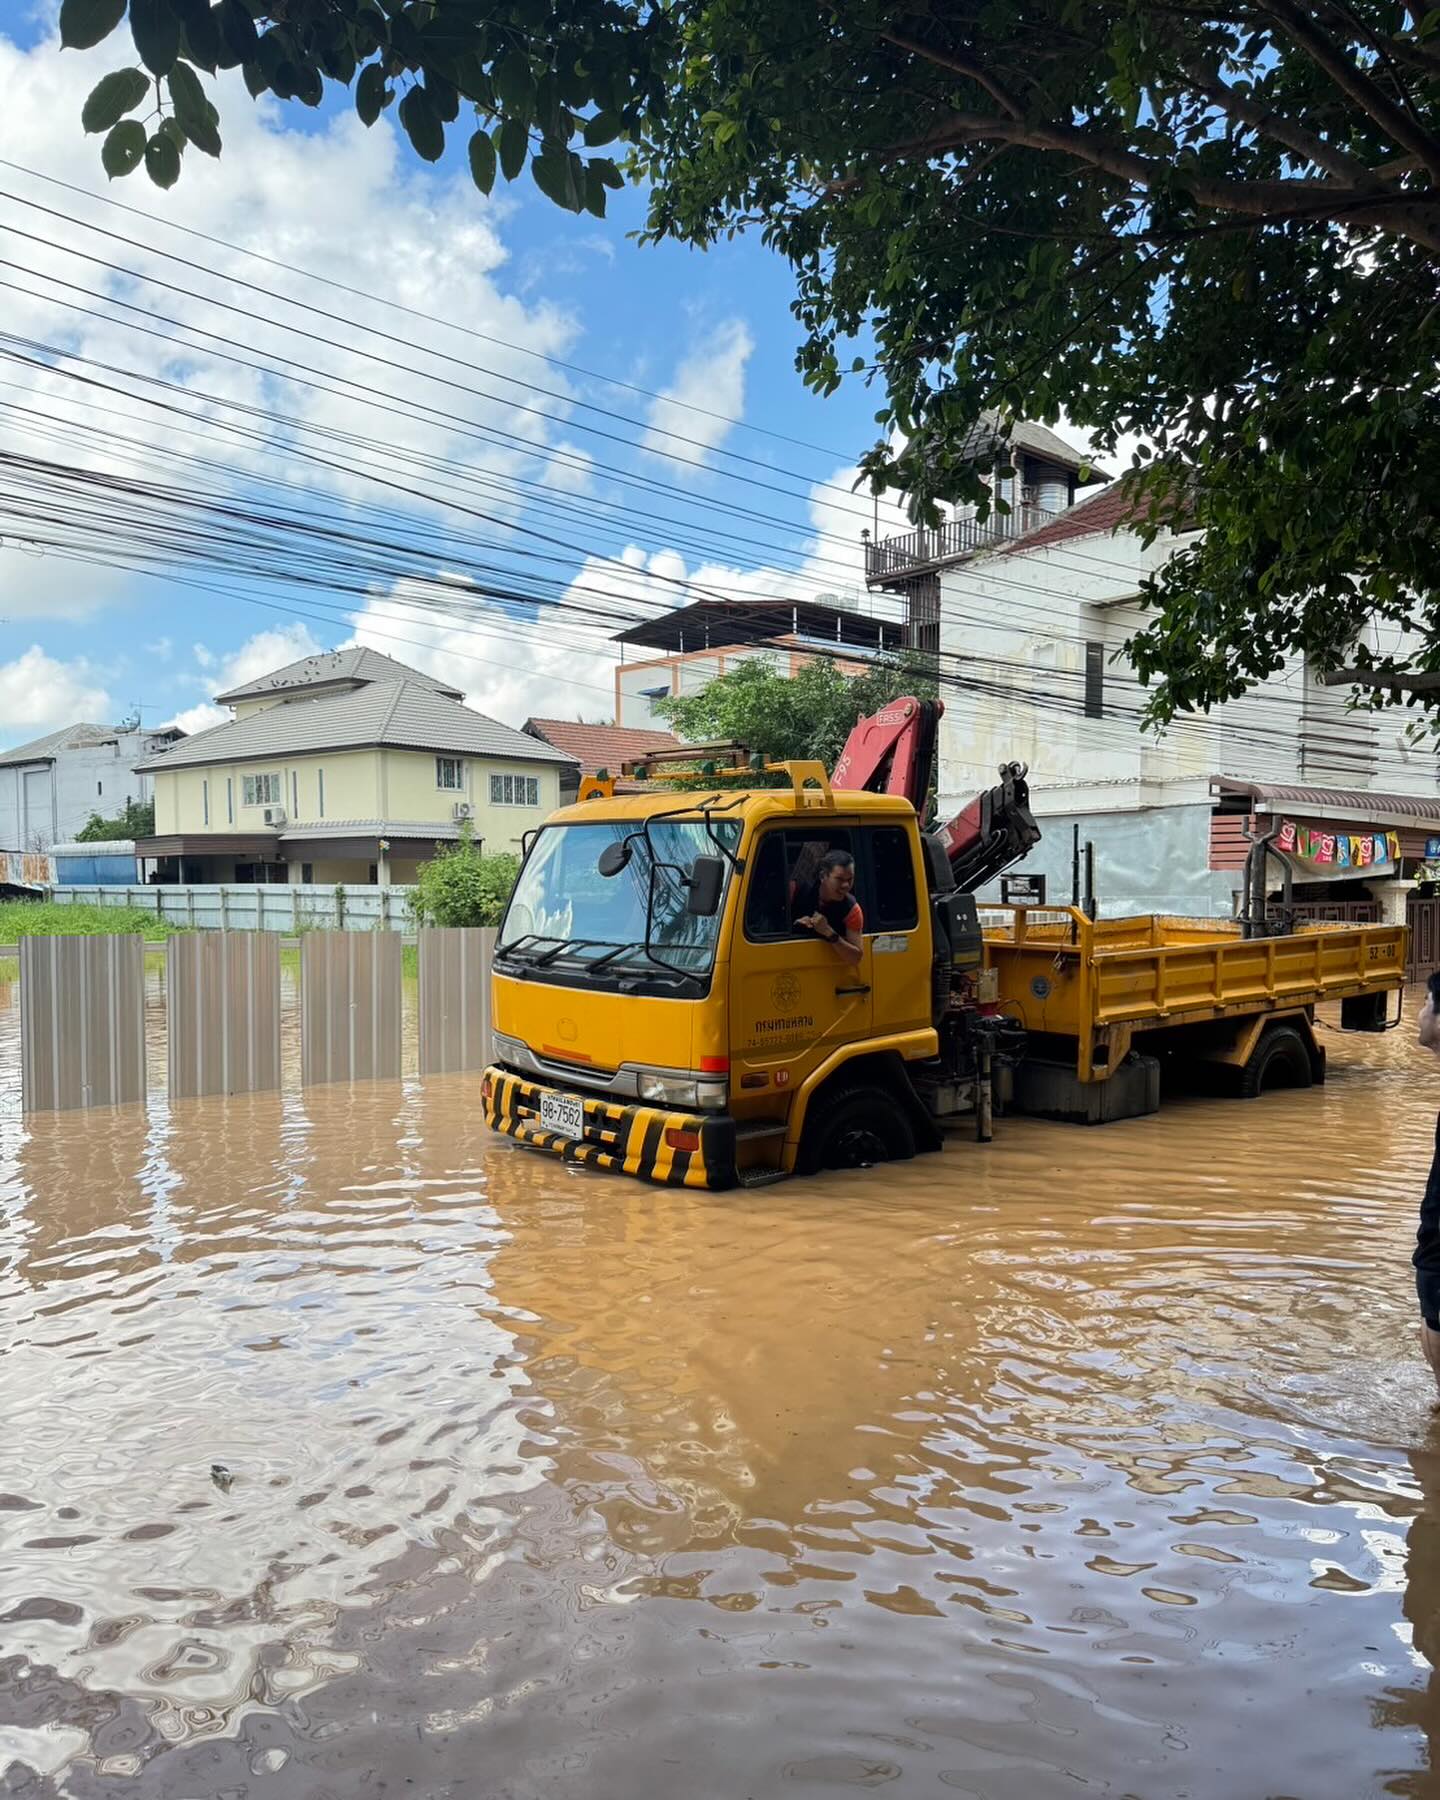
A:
x: 358, y: 663
x: 401, y: 715
x: 69, y: 737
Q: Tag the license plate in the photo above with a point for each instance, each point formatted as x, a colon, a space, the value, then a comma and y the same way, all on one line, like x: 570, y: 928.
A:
x: 560, y: 1113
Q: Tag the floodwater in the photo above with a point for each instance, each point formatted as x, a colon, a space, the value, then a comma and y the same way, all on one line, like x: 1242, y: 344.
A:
x: 1086, y: 1463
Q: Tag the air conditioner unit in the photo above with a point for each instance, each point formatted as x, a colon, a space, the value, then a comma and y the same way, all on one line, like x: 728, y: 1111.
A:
x: 462, y: 809
x: 274, y: 815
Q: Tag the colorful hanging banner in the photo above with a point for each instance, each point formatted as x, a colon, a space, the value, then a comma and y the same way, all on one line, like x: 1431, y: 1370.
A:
x: 1322, y: 855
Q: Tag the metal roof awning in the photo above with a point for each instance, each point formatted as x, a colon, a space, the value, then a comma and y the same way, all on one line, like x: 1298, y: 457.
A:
x: 1358, y: 804
x: 210, y: 843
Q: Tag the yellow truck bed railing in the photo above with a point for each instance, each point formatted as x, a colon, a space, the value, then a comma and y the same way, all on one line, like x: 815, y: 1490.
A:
x: 1103, y: 981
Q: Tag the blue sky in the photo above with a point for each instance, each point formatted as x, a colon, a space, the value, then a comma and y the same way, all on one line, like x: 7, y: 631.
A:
x: 369, y: 434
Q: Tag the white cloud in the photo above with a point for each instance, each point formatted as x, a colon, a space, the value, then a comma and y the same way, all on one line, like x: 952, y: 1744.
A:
x: 509, y: 668
x: 712, y: 379
x: 200, y: 718
x: 346, y: 203
x: 162, y: 649
x: 38, y: 693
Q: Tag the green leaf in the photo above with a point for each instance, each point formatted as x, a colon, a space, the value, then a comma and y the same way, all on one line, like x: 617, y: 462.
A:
x: 482, y: 161
x: 124, y: 150
x: 162, y: 160
x: 85, y: 23
x: 604, y: 128
x: 515, y: 85
x: 422, y: 123
x: 237, y: 31
x: 156, y: 31
x: 595, y: 193
x: 607, y: 172
x: 372, y: 95
x: 257, y: 81
x: 555, y: 177
x: 514, y: 146
x: 444, y: 97
x: 186, y: 94
x: 113, y: 97
x: 200, y: 39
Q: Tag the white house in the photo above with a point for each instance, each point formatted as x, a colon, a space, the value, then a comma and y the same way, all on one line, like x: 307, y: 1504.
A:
x: 50, y: 787
x: 1031, y: 626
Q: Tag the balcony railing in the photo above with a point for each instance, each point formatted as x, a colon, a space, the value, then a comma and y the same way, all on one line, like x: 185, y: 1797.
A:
x: 917, y: 551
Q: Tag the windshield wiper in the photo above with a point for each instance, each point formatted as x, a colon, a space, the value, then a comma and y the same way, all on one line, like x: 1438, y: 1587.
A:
x: 542, y: 962
x: 516, y: 946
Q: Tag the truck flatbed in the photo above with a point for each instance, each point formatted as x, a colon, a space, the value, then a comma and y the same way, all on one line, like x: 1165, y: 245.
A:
x: 1089, y: 991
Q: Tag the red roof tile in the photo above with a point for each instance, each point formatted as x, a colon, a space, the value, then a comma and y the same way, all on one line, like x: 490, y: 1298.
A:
x: 1104, y: 511
x: 598, y: 747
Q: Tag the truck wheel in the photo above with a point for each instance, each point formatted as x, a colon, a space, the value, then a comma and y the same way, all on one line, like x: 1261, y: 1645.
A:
x: 852, y: 1127
x: 1281, y: 1059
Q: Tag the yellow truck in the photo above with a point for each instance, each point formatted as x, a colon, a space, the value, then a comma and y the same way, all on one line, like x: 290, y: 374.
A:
x: 658, y: 1008
x: 1107, y: 1003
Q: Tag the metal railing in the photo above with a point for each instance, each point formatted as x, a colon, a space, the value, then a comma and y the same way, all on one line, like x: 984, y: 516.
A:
x: 915, y: 551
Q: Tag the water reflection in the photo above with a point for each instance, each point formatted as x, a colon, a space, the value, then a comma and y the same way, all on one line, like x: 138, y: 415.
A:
x: 1073, y: 1463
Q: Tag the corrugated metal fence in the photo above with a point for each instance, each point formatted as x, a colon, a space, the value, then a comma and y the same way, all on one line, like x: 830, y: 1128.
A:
x: 82, y: 1005
x: 243, y: 906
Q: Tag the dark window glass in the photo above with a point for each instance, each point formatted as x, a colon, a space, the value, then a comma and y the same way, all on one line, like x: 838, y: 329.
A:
x: 781, y: 869
x: 892, y: 881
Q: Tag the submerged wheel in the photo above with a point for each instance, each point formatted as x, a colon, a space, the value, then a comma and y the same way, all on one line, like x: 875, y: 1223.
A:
x: 854, y: 1126
x: 1280, y: 1060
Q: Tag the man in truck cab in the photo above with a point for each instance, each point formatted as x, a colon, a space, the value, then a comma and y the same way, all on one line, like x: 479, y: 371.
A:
x: 826, y: 905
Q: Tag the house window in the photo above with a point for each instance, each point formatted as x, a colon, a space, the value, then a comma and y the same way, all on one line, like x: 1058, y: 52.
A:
x: 262, y: 790
x: 99, y: 787
x: 514, y: 790
x: 205, y: 801
x: 450, y: 774
x: 295, y: 793
x: 307, y: 872
x: 1094, y: 681
x: 230, y: 799
x: 320, y: 790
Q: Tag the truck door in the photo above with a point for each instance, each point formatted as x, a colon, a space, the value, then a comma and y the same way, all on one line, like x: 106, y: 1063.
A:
x: 793, y: 999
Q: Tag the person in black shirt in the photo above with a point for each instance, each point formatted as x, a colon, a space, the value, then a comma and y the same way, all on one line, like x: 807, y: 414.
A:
x: 1427, y: 1239
x: 827, y: 905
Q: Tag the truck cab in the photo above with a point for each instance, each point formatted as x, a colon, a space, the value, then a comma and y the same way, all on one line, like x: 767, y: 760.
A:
x: 657, y: 1011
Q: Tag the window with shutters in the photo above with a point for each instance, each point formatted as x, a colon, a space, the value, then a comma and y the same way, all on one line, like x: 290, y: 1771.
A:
x: 450, y: 774
x: 1094, y: 681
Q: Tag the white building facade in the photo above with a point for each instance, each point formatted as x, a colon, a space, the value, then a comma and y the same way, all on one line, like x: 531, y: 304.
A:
x: 49, y: 788
x: 1034, y: 629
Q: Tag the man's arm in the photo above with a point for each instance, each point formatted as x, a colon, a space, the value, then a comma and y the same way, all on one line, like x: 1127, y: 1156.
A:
x: 847, y: 944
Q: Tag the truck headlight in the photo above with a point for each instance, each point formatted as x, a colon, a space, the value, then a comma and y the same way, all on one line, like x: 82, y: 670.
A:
x: 678, y: 1090
x: 505, y: 1049
x: 668, y: 1090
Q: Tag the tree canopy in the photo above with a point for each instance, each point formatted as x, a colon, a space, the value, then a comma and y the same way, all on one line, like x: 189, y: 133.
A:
x: 802, y: 717
x: 137, y: 820
x: 1216, y: 228
x: 460, y: 885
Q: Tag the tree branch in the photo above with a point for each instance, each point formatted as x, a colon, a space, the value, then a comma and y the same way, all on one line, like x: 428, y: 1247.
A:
x: 960, y: 65
x: 1372, y: 100
x: 1274, y: 125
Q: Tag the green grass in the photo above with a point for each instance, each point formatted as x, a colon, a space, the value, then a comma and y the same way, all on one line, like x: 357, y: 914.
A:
x: 42, y: 918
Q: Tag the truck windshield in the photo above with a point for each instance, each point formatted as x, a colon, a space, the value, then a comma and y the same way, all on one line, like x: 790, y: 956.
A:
x: 564, y: 908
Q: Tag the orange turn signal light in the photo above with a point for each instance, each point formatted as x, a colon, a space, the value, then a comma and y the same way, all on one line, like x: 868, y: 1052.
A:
x: 679, y: 1139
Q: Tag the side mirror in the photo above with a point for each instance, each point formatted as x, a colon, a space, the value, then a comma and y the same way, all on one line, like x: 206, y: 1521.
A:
x: 707, y: 880
x: 614, y: 856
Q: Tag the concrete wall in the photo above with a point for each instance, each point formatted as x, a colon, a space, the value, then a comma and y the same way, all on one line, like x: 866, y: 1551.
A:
x: 1018, y: 624
x: 43, y: 803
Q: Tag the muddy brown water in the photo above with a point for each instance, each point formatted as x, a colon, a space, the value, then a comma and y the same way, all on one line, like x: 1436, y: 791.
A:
x: 1085, y: 1463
